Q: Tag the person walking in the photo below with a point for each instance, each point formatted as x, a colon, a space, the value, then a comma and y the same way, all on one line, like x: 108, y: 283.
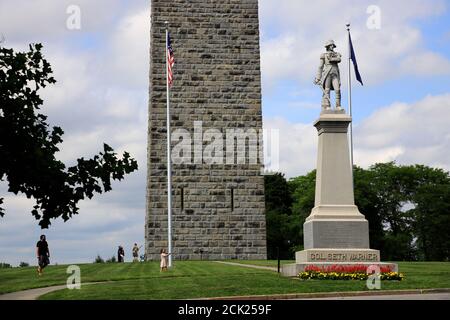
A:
x: 120, y: 254
x: 135, y: 251
x: 43, y: 254
x: 164, y: 259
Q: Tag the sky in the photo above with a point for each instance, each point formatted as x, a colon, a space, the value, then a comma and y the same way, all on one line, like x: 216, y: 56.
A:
x: 401, y: 114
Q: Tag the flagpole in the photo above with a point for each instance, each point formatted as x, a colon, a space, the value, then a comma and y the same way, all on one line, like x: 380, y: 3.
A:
x: 169, y: 161
x: 350, y: 100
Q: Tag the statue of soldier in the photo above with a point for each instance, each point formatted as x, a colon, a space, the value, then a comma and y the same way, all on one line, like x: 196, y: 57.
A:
x: 328, y: 76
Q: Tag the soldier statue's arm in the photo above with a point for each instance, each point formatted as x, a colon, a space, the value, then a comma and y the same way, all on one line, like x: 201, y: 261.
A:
x: 319, y: 71
x: 335, y: 57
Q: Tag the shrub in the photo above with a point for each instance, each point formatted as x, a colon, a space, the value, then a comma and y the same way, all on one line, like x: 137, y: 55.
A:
x: 111, y: 260
x: 4, y: 265
x: 24, y: 264
x: 99, y: 259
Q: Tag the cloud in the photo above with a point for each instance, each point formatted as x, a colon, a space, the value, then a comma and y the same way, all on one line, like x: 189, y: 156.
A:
x: 100, y: 96
x: 425, y: 64
x: 46, y: 20
x: 408, y: 133
x: 297, y: 145
x: 415, y: 133
x: 294, y: 33
x: 130, y: 49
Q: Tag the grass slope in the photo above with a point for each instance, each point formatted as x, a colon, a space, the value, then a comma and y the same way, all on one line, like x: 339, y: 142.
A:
x: 195, y: 279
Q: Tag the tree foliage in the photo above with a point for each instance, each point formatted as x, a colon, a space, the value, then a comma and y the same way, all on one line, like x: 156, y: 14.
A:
x: 283, y: 227
x: 28, y: 146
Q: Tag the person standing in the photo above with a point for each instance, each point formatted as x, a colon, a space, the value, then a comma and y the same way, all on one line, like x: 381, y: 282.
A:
x: 120, y: 254
x: 135, y: 251
x: 43, y: 254
x: 164, y: 259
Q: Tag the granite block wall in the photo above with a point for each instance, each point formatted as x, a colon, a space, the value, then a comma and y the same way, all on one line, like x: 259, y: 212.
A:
x: 218, y: 208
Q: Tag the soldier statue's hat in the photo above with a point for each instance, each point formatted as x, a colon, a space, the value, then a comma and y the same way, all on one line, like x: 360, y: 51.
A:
x: 330, y: 43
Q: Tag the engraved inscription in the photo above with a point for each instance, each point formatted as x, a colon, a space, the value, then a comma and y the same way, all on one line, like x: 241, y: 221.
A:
x: 342, y: 257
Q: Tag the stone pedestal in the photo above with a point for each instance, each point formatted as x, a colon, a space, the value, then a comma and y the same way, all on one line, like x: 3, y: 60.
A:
x: 335, y: 232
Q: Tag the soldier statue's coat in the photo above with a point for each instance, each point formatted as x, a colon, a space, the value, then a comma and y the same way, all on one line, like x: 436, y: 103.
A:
x: 328, y: 64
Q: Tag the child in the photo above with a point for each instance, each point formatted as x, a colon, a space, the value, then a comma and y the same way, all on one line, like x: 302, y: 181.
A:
x: 136, y: 252
x: 164, y: 258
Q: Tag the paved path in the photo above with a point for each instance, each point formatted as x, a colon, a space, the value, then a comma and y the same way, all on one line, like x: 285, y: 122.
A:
x: 31, y: 294
x: 34, y: 294
x: 418, y: 294
x: 248, y: 265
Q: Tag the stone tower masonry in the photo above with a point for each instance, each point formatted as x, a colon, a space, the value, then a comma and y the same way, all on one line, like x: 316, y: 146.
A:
x: 218, y: 209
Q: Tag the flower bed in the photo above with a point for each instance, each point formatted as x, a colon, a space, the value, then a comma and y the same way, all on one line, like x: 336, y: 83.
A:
x: 338, y: 272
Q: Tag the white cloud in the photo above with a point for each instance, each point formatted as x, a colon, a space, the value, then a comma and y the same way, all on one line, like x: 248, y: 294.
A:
x: 46, y: 19
x: 425, y: 64
x: 294, y: 33
x: 414, y: 133
x: 130, y: 49
x: 409, y: 133
x: 100, y: 96
x: 297, y: 145
x: 365, y: 157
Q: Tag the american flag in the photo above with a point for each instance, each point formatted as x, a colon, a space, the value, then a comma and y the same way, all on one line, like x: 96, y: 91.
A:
x: 170, y: 61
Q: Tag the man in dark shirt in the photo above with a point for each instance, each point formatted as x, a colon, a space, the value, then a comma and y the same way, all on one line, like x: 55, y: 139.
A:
x: 120, y: 254
x: 43, y: 254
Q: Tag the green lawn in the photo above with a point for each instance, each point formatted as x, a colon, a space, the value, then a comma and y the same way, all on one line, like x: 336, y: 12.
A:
x: 195, y: 279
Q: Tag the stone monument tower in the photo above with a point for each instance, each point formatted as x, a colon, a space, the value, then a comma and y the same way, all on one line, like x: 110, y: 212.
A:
x: 218, y: 207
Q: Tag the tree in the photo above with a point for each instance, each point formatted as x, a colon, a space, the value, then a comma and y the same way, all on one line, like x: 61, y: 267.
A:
x: 393, y: 187
x: 367, y: 202
x: 4, y: 265
x: 28, y: 146
x: 277, y: 193
x: 431, y: 212
x: 282, y: 227
x: 111, y: 260
x: 99, y: 259
x: 303, y: 190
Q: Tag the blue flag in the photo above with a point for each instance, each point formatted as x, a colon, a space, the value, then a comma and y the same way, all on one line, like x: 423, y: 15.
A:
x: 353, y: 57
